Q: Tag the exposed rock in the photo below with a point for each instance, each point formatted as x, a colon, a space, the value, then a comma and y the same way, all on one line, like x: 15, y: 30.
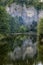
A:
x: 28, y: 14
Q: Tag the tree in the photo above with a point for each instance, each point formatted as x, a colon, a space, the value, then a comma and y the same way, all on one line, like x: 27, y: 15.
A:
x: 23, y: 29
x: 38, y: 5
x: 4, y: 29
x: 40, y: 27
x: 5, y: 2
x: 3, y: 53
x: 4, y: 19
x: 40, y: 31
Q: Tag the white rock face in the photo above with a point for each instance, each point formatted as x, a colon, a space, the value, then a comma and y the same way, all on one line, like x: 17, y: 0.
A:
x: 14, y: 10
x: 28, y: 14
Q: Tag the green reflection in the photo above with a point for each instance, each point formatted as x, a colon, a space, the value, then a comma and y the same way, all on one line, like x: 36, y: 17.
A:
x: 11, y: 41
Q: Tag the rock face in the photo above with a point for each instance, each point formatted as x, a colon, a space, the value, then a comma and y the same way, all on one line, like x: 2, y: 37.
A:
x: 28, y: 14
x: 26, y: 50
x: 14, y: 10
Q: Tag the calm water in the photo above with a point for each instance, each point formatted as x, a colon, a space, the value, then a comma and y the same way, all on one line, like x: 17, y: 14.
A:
x: 24, y: 50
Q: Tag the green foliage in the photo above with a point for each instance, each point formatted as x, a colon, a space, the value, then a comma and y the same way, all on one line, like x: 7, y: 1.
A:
x: 40, y: 32
x: 38, y: 5
x: 40, y: 53
x: 21, y: 2
x: 4, y: 49
x: 3, y: 53
x: 23, y: 29
x: 40, y: 27
x: 8, y: 2
x: 2, y: 2
x: 19, y: 40
x: 17, y: 24
x: 14, y: 25
x: 5, y: 2
x: 4, y: 29
x: 4, y: 19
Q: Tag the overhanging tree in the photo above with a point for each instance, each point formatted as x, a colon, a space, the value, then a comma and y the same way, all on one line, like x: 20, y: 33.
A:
x: 40, y: 31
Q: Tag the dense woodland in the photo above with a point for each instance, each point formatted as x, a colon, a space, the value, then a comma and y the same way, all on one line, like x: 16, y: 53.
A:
x: 7, y: 38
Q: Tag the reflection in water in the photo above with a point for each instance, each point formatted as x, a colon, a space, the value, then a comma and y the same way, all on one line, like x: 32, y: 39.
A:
x: 27, y: 49
x: 39, y: 63
x: 24, y: 50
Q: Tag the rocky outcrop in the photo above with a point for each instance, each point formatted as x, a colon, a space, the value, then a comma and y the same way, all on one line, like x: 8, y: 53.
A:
x: 28, y: 14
